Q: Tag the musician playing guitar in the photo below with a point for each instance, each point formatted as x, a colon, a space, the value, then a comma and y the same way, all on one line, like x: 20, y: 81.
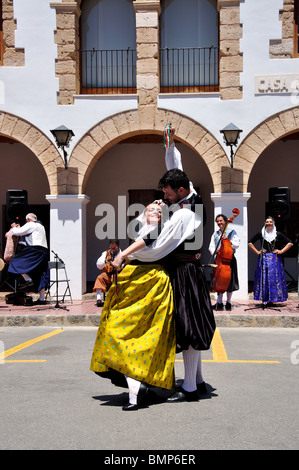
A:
x: 229, y: 237
x: 105, y: 279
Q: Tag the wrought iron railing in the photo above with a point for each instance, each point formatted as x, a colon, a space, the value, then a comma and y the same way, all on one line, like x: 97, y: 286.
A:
x: 189, y: 69
x: 108, y: 71
x: 182, y: 70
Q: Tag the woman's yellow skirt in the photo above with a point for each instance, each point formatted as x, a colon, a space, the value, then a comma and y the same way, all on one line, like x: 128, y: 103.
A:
x: 136, y: 335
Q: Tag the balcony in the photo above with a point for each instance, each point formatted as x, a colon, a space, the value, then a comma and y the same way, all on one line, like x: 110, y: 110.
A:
x: 108, y: 71
x: 189, y: 70
x: 183, y: 70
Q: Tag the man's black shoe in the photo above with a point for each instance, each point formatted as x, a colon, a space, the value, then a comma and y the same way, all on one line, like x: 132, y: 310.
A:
x: 181, y: 395
x: 202, y: 388
x: 40, y: 302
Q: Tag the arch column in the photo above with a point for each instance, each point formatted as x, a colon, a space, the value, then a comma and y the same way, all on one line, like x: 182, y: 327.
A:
x: 224, y: 203
x: 68, y: 237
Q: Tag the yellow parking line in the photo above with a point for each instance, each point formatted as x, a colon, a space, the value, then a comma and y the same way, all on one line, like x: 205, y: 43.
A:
x: 218, y: 349
x: 26, y: 360
x: 219, y: 353
x: 243, y: 361
x: 18, y: 348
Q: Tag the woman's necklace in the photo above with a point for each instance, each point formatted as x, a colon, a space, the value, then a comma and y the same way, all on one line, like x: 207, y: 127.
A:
x: 272, y: 245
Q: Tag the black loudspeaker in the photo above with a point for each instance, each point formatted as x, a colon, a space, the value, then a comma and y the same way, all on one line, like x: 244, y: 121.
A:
x: 279, y: 204
x: 16, y: 205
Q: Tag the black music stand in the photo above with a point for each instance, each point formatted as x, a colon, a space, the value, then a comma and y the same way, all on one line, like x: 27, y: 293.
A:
x: 263, y: 305
x: 57, y: 305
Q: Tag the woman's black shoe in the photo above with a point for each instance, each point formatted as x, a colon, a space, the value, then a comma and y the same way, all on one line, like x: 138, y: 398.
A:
x: 141, y: 394
x: 218, y: 307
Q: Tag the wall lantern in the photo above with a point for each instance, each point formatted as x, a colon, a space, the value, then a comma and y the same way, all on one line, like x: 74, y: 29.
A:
x: 231, y: 136
x: 63, y: 136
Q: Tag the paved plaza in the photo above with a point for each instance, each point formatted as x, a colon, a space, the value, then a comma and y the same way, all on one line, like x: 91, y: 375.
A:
x: 85, y: 312
x: 51, y: 400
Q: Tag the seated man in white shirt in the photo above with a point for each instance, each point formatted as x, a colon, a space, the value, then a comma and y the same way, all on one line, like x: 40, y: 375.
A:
x: 32, y: 261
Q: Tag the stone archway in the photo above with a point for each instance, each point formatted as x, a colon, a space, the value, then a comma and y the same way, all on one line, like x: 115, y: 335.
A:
x: 269, y: 131
x: 116, y: 128
x: 22, y: 131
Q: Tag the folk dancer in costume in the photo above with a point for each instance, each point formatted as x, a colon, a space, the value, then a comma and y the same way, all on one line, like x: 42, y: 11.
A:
x: 232, y: 236
x: 269, y: 280
x: 195, y: 324
x: 105, y: 279
x: 32, y: 261
x: 136, y: 335
x: 194, y: 319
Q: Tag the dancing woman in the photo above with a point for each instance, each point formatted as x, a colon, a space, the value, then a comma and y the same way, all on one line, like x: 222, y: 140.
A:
x: 136, y: 335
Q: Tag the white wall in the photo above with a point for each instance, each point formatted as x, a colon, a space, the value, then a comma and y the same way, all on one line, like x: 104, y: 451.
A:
x: 30, y: 91
x: 260, y: 24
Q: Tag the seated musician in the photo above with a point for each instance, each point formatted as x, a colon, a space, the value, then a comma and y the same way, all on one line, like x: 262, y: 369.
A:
x: 214, y: 248
x: 105, y: 279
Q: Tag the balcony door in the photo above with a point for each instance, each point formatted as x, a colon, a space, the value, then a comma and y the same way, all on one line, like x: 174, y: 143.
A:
x: 108, y: 46
x: 189, y: 45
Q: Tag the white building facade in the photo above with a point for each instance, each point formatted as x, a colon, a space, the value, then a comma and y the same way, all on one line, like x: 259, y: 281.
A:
x: 116, y: 72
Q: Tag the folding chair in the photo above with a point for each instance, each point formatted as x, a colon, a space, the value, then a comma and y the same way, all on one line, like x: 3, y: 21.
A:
x: 58, y: 276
